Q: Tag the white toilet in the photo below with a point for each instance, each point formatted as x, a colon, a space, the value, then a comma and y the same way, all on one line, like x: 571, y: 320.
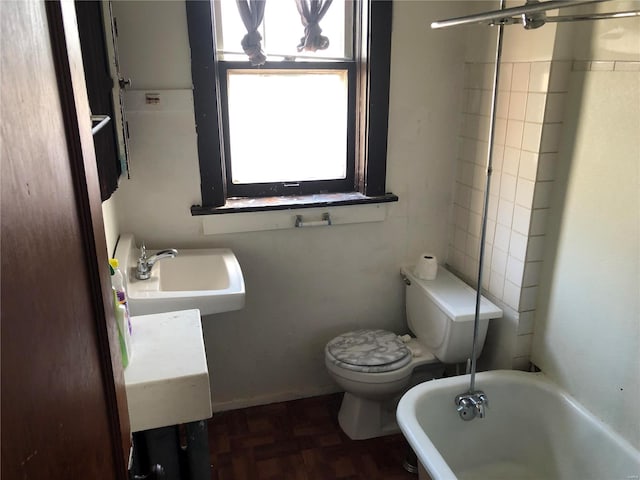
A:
x: 375, y: 367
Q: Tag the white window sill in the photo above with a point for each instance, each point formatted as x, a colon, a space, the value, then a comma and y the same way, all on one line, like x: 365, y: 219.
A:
x: 276, y: 213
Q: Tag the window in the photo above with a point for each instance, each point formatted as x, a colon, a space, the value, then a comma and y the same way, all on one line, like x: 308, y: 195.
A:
x: 299, y: 123
x: 287, y: 130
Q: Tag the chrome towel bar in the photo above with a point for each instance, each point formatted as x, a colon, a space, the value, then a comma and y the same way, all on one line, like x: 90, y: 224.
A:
x: 325, y: 221
x: 102, y: 121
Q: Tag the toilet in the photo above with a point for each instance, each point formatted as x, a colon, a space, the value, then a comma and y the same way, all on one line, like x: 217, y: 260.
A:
x: 375, y: 367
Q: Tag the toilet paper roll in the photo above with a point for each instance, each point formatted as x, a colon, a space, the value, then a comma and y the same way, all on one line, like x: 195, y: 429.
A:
x: 427, y: 267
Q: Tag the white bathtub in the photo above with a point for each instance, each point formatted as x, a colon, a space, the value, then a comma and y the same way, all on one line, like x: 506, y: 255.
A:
x: 532, y: 430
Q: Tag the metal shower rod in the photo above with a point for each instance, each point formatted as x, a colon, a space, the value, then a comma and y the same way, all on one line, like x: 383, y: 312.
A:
x: 531, y: 15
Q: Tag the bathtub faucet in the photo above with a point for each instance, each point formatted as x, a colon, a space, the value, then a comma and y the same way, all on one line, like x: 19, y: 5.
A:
x: 145, y: 264
x: 471, y: 405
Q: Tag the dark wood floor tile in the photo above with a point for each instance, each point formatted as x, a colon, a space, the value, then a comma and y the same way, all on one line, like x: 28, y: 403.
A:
x: 258, y: 424
x: 311, y: 430
x: 344, y: 467
x: 270, y: 468
x: 221, y: 463
x: 316, y: 466
x: 244, y: 466
x: 299, y: 440
x: 243, y: 442
x: 368, y: 467
x: 235, y: 421
x: 277, y: 449
x: 219, y: 442
x: 328, y: 439
x: 290, y: 467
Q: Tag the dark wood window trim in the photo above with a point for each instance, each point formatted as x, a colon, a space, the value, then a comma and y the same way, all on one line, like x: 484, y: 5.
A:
x: 264, y: 204
x: 373, y: 79
x: 373, y: 164
x: 206, y: 100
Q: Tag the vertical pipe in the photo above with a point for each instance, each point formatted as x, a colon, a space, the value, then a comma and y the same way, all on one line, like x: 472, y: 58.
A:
x: 485, y: 208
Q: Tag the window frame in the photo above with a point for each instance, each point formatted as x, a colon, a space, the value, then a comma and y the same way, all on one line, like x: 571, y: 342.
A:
x: 370, y: 123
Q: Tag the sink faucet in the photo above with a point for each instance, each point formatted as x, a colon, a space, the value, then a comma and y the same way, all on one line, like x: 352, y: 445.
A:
x: 471, y: 405
x: 145, y: 264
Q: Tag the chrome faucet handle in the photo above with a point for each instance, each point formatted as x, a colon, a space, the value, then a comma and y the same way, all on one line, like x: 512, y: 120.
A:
x: 465, y: 407
x: 471, y: 404
x: 142, y: 267
x: 145, y: 264
x: 480, y: 402
x: 143, y: 252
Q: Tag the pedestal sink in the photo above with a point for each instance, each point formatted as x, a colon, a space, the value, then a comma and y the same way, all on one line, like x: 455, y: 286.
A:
x: 207, y: 279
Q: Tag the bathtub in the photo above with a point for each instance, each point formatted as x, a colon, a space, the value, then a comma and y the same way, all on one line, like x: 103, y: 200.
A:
x: 532, y: 430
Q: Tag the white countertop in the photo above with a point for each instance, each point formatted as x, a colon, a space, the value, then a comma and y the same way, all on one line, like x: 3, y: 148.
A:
x: 167, y: 380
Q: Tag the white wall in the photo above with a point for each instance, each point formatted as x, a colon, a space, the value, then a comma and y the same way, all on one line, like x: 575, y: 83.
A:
x: 588, y: 323
x: 303, y: 286
x: 154, y: 44
x: 111, y: 228
x: 588, y: 328
x: 607, y: 40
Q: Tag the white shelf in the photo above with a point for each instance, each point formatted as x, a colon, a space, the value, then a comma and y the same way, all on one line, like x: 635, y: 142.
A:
x: 167, y: 380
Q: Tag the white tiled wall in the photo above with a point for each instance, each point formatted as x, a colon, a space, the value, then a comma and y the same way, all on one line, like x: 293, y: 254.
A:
x: 527, y: 132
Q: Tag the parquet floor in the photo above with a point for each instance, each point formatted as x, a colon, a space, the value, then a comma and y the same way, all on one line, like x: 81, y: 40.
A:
x: 299, y: 440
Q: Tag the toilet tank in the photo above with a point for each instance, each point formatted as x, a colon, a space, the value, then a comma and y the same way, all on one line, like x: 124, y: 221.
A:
x: 440, y: 313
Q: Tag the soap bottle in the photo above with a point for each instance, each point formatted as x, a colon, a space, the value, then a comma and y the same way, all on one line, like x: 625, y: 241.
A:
x: 125, y: 339
x: 123, y: 320
x: 117, y: 282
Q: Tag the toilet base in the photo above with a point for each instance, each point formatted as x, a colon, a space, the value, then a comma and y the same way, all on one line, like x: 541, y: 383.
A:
x: 361, y: 418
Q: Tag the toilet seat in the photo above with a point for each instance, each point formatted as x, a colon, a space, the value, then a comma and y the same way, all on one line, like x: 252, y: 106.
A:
x: 368, y: 351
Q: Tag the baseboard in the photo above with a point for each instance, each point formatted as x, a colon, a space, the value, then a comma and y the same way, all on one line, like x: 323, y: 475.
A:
x: 273, y: 398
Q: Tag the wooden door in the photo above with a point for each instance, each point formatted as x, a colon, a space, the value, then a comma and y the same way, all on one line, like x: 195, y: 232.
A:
x: 64, y: 413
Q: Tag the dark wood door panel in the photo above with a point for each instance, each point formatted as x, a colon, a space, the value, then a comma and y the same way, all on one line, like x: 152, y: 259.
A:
x: 58, y: 404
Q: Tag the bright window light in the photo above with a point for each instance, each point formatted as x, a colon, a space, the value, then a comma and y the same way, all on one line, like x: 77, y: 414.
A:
x: 282, y: 29
x: 287, y: 125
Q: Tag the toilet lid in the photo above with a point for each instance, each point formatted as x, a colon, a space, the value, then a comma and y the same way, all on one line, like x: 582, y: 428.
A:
x: 370, y: 348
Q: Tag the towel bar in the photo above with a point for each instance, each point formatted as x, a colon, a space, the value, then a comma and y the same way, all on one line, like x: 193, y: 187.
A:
x: 325, y: 221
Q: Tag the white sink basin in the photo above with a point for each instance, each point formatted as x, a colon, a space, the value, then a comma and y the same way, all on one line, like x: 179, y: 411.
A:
x: 207, y: 279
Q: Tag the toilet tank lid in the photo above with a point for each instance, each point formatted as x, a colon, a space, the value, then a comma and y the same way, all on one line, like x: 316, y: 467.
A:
x: 453, y: 296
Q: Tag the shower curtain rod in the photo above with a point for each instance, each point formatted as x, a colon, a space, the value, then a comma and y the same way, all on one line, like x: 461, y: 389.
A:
x: 520, y: 15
